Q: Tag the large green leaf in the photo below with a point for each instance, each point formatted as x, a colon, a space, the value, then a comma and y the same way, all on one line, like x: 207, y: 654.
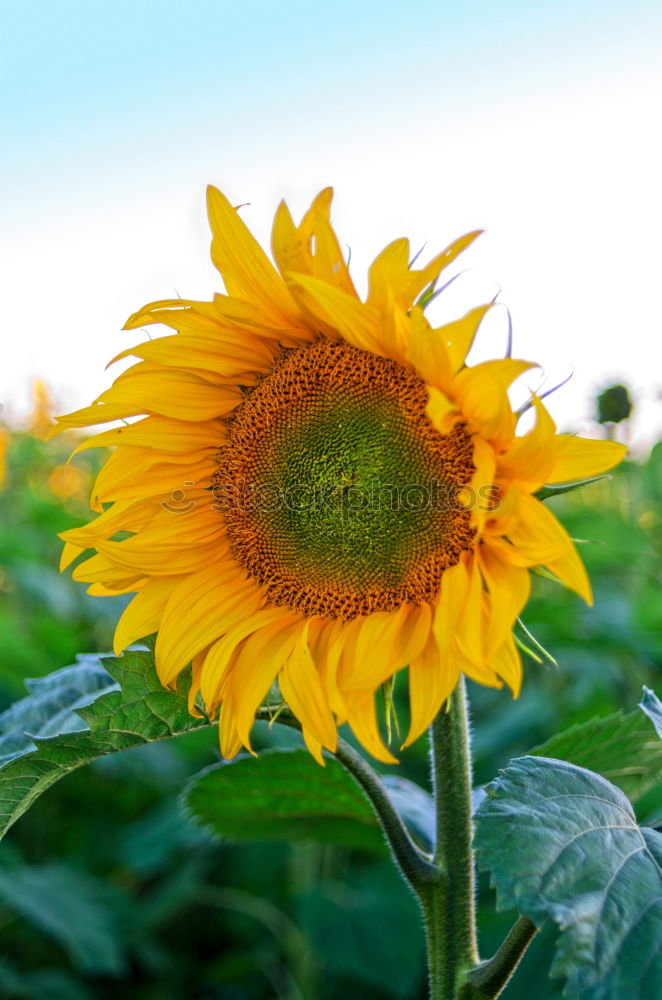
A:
x: 282, y: 795
x: 103, y: 705
x: 625, y: 748
x: 100, y: 706
x: 562, y: 842
x: 51, y: 705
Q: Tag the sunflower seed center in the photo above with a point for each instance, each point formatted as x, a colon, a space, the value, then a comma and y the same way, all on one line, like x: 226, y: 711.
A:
x: 339, y: 495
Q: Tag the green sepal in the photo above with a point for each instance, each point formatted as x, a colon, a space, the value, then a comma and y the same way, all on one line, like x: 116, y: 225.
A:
x: 545, y: 492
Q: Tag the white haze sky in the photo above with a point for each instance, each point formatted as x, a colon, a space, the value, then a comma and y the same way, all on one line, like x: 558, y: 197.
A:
x: 538, y: 122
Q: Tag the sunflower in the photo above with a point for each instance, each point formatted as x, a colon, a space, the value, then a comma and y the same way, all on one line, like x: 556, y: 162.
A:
x: 319, y: 491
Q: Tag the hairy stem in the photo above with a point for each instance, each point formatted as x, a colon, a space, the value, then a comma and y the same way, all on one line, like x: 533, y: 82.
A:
x: 449, y: 910
x: 444, y: 884
x: 417, y: 870
x: 490, y: 978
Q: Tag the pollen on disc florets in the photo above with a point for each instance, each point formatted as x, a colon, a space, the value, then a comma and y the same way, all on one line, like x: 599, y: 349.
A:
x: 339, y: 495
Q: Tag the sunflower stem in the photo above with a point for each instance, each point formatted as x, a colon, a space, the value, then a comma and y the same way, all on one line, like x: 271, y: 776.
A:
x: 448, y: 908
x: 490, y: 978
x: 414, y: 866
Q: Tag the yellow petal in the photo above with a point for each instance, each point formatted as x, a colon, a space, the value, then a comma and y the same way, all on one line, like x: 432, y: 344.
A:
x: 431, y: 680
x: 164, y: 560
x: 578, y: 458
x: 394, y: 330
x: 481, y: 493
x: 337, y: 312
x: 142, y: 616
x: 482, y: 394
x: 509, y: 588
x: 245, y: 268
x: 69, y: 553
x: 99, y: 569
x: 504, y: 504
x: 88, y: 416
x: 481, y: 673
x: 459, y: 335
x: 571, y: 571
x: 287, y: 244
x: 314, y: 746
x: 183, y: 315
x: 363, y: 721
x: 220, y: 655
x: 385, y: 641
x: 196, y: 670
x: 101, y: 590
x: 125, y: 515
x: 507, y: 663
x: 427, y: 352
x: 302, y: 690
x: 469, y: 635
x: 201, y: 608
x: 241, y: 315
x: 261, y: 658
x: 531, y: 457
x: 419, y: 280
x: 144, y: 473
x: 327, y: 649
x: 328, y: 259
x: 342, y: 649
x: 454, y: 586
x: 162, y: 433
x: 228, y: 736
x: 220, y: 353
x: 441, y: 411
x: 168, y: 393
x: 388, y: 272
x: 541, y: 538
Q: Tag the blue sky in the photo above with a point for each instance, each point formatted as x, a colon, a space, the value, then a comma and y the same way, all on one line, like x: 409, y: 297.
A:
x: 537, y: 121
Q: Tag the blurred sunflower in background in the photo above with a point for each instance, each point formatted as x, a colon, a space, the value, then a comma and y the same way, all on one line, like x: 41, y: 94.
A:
x: 320, y: 490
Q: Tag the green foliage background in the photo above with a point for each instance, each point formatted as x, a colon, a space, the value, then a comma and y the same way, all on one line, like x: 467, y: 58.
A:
x: 108, y: 890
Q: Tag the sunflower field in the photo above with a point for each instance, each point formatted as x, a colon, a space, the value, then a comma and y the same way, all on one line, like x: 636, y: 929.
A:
x: 112, y: 886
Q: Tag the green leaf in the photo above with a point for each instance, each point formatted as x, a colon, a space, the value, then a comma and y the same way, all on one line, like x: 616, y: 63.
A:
x: 624, y: 748
x: 282, y: 795
x: 562, y: 842
x: 96, y: 711
x: 69, y: 907
x: 103, y: 705
x: 52, y: 704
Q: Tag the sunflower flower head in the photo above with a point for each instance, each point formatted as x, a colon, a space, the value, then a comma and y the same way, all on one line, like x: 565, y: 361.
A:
x: 319, y: 491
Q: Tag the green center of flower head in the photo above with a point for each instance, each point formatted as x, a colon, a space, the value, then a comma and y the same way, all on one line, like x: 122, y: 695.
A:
x: 338, y: 493
x: 352, y: 491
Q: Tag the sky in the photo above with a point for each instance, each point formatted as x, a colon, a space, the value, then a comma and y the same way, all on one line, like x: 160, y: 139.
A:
x: 536, y: 122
